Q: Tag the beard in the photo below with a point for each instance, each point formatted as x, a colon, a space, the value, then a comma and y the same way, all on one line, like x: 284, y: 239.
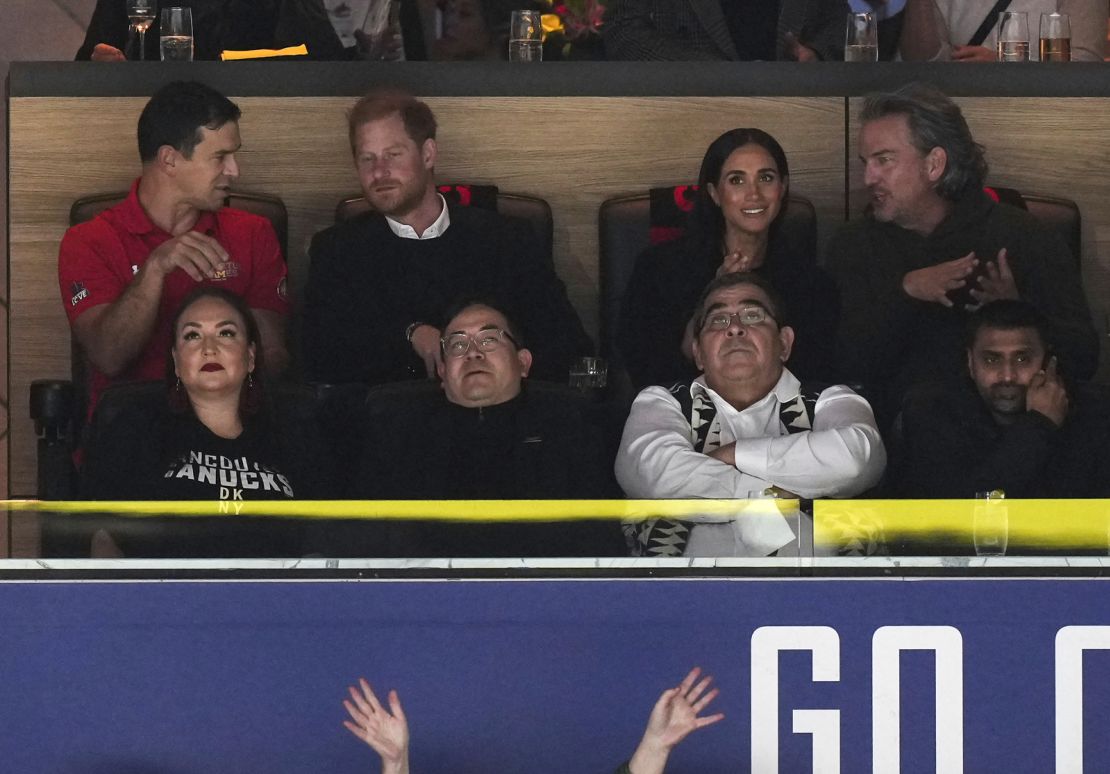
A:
x: 1006, y: 398
x: 397, y: 200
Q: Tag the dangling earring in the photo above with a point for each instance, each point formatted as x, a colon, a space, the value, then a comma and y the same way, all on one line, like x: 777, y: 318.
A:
x: 177, y: 387
x: 250, y: 381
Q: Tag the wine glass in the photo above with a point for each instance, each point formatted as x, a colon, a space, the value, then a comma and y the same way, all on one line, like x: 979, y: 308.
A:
x: 140, y: 13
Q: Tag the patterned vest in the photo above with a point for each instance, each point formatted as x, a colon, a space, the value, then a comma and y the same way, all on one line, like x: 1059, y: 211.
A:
x: 667, y: 537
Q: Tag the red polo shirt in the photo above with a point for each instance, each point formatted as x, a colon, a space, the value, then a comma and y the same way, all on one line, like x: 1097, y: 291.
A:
x: 98, y: 260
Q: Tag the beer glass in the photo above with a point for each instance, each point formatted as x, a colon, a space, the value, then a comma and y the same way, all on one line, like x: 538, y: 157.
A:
x: 1055, y: 37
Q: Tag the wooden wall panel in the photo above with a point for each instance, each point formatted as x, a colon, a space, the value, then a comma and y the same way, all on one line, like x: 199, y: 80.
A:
x: 575, y: 152
x: 1057, y: 146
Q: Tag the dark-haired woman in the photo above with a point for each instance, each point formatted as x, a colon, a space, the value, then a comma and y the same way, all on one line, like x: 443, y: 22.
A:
x: 215, y: 437
x: 734, y: 226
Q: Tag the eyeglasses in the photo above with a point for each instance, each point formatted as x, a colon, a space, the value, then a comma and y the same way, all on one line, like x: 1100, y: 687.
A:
x: 749, y: 315
x: 458, y: 344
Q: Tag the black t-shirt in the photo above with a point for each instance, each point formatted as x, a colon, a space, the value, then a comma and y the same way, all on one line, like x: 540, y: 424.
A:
x: 147, y: 453
x: 753, y: 25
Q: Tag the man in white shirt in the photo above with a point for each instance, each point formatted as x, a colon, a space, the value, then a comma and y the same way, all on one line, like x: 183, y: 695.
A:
x: 745, y: 429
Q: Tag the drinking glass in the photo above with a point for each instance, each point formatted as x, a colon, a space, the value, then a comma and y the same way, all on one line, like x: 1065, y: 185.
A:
x: 1055, y: 37
x: 525, y: 37
x: 381, y: 31
x: 1013, y: 37
x: 990, y: 524
x: 861, y: 42
x: 589, y: 373
x: 177, y: 35
x: 140, y: 15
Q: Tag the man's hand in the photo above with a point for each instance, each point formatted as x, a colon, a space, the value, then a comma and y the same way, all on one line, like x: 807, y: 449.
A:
x: 997, y: 283
x: 725, y: 454
x: 973, y: 54
x: 425, y: 342
x: 198, y: 255
x: 933, y: 283
x: 102, y: 52
x: 1046, y: 395
x: 674, y: 717
x: 798, y: 51
x: 387, y: 731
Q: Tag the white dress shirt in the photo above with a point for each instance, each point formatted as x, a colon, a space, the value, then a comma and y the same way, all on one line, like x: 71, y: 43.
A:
x: 439, y: 225
x: 841, y: 456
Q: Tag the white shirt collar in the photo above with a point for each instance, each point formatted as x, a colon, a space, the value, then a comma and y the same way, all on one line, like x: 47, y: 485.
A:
x: 786, y: 389
x: 439, y: 225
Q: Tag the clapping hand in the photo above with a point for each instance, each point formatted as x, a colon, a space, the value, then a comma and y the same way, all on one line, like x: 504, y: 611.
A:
x: 935, y: 282
x: 734, y: 262
x: 997, y: 283
x: 386, y: 731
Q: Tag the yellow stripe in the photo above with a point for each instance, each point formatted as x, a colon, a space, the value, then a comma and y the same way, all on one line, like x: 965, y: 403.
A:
x: 1047, y: 523
x: 447, y: 510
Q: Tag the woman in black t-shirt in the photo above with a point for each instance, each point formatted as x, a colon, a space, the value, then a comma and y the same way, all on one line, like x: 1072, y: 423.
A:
x: 215, y: 438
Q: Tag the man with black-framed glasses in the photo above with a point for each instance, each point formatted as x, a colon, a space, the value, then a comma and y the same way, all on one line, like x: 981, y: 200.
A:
x: 746, y: 428
x: 489, y: 434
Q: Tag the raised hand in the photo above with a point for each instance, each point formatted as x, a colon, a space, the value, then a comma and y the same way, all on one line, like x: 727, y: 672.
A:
x: 997, y: 283
x: 1046, y: 394
x: 935, y: 282
x: 386, y: 731
x: 674, y: 717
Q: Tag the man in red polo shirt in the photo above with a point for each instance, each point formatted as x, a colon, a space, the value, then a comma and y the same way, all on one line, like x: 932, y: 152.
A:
x: 123, y: 273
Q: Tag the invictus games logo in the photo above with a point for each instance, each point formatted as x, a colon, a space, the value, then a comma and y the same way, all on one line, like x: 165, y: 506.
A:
x: 226, y: 271
x: 79, y: 293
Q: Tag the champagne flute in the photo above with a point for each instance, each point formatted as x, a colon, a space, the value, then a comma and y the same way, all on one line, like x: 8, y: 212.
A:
x: 140, y: 13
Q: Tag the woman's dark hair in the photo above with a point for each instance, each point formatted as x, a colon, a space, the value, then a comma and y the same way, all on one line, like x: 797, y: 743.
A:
x: 706, y: 221
x: 252, y: 395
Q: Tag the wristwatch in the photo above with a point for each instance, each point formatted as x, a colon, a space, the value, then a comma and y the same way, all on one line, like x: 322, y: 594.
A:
x: 411, y: 330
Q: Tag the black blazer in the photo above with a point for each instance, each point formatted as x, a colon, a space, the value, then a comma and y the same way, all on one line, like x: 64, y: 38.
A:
x: 696, y: 29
